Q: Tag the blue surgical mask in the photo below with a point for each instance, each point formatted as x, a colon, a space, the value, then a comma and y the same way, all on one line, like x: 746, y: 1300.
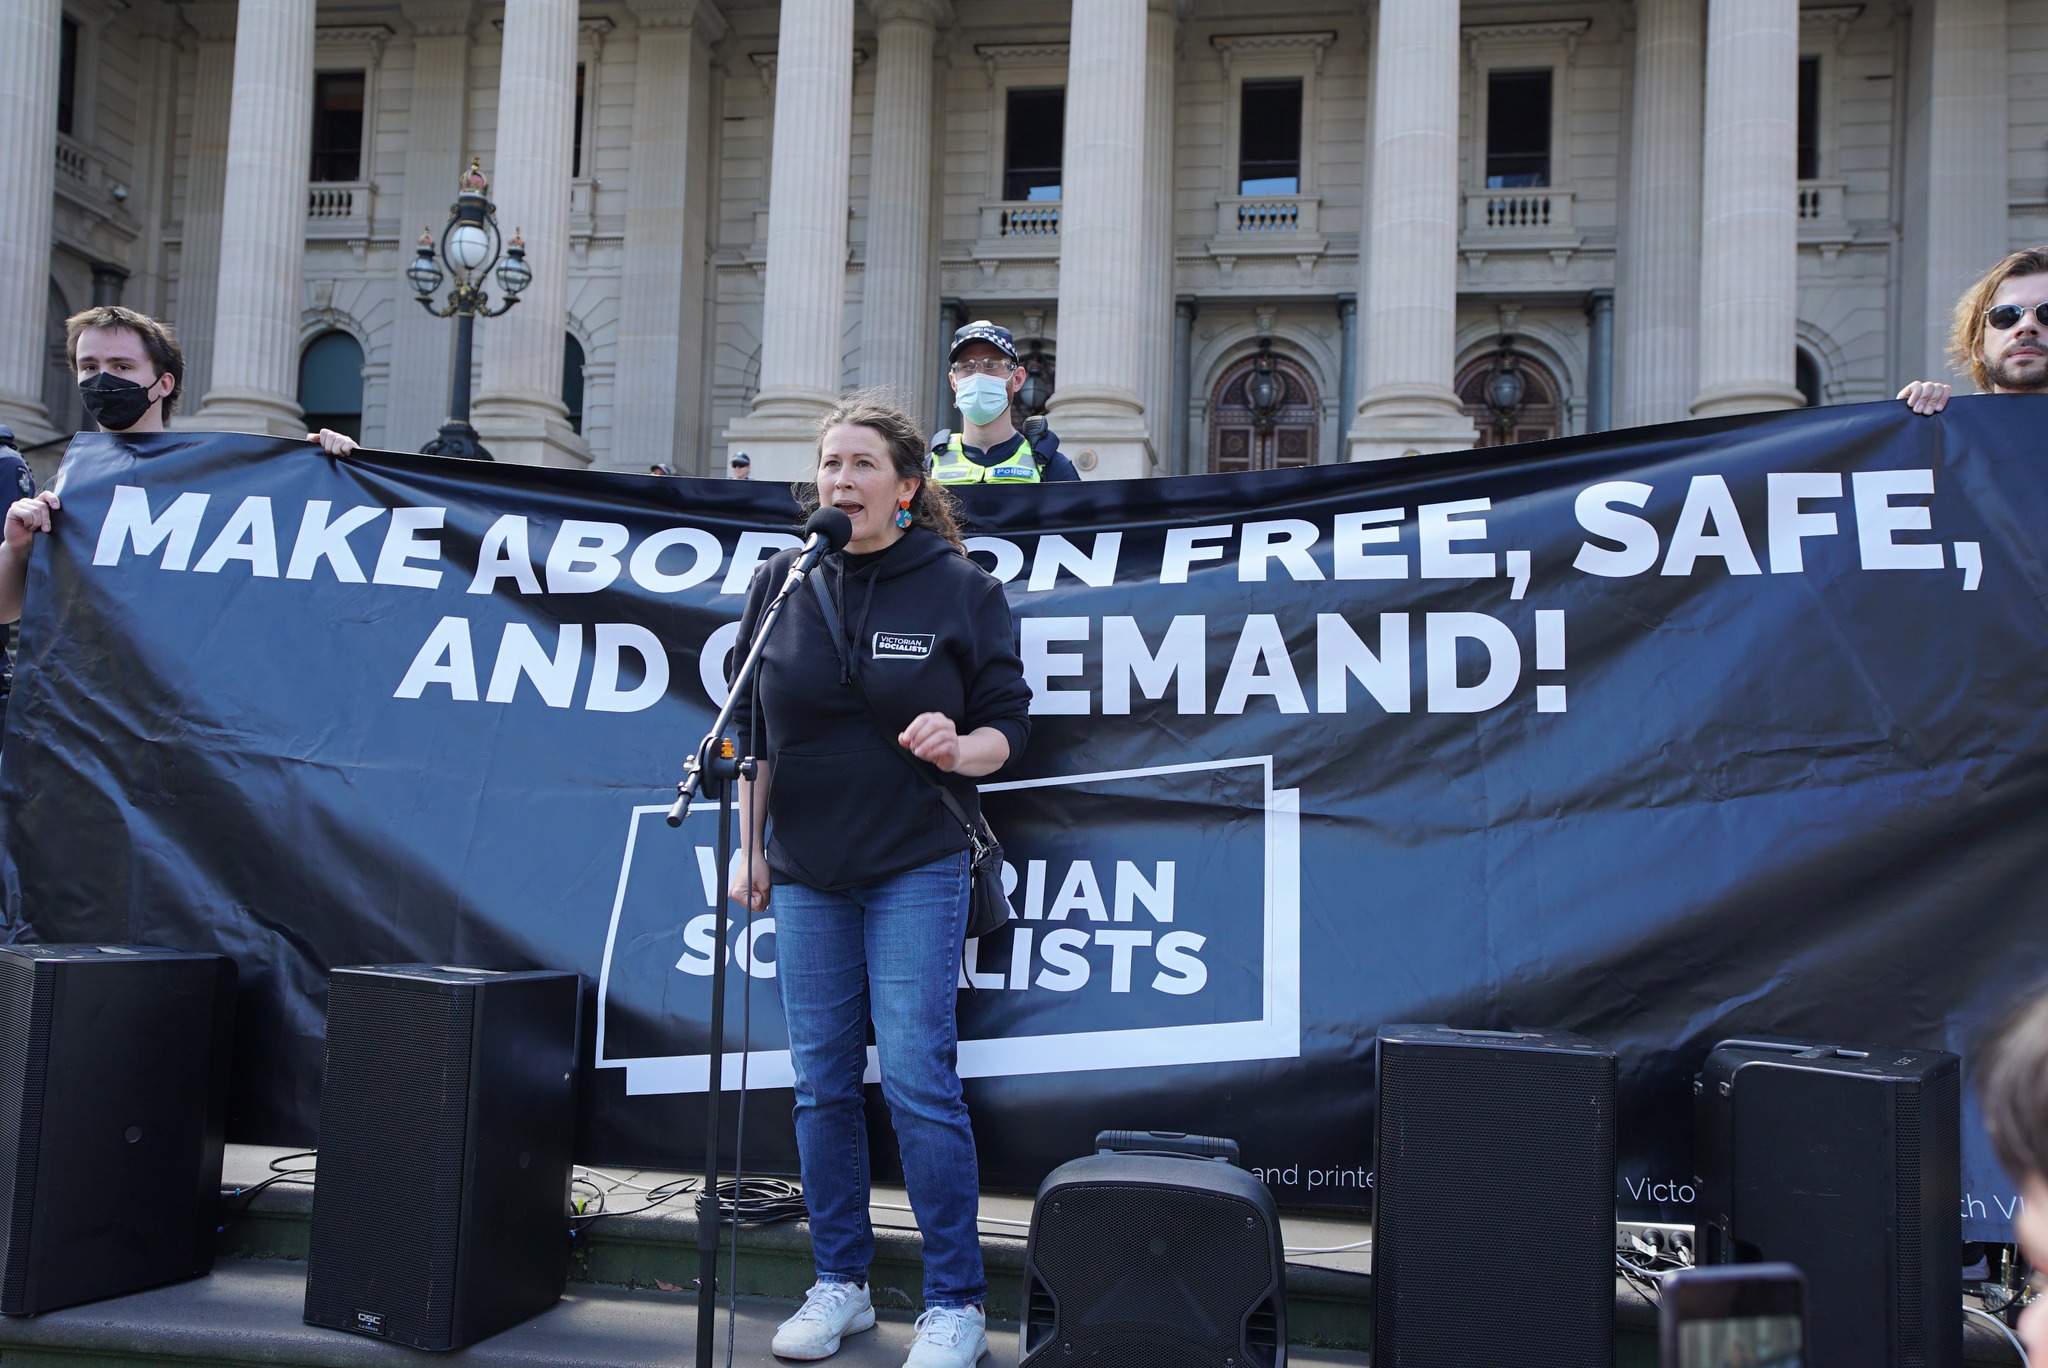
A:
x: 982, y: 398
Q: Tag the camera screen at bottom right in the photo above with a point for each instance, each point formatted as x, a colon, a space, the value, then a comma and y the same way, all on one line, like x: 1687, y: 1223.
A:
x: 1740, y: 1342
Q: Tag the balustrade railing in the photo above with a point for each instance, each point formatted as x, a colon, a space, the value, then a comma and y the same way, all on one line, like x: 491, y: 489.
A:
x: 73, y: 162
x: 1532, y: 210
x: 1255, y: 217
x: 1022, y: 219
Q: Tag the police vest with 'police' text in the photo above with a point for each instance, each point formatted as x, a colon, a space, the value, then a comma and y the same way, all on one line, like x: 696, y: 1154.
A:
x: 951, y: 466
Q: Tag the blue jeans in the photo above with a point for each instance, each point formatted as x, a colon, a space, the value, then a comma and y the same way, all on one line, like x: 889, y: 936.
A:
x: 889, y: 949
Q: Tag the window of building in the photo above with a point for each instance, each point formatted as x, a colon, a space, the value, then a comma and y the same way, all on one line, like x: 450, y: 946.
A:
x: 1034, y: 135
x: 1806, y: 377
x: 338, y: 126
x: 572, y: 379
x: 1517, y: 128
x: 1269, y: 138
x: 1809, y: 118
x: 67, y: 77
x: 331, y: 383
x: 576, y: 148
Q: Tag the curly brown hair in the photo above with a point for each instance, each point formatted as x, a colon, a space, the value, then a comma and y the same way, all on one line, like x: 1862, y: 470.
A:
x: 156, y: 338
x: 932, y: 506
x: 2012, y: 1082
x: 1966, y: 328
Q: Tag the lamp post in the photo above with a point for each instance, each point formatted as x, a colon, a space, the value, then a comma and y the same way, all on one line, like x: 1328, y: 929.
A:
x: 1505, y: 388
x: 1037, y: 388
x: 1265, y: 390
x: 471, y: 246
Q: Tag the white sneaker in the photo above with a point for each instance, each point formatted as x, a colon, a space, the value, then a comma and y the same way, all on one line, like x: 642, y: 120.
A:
x: 949, y: 1337
x: 830, y: 1310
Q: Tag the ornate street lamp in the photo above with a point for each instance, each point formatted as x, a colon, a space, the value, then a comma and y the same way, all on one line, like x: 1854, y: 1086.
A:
x: 470, y: 246
x: 1037, y: 387
x: 1266, y: 389
x: 1505, y: 387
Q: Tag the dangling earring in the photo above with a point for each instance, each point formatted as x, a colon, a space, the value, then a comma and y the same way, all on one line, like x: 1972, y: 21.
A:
x: 903, y: 512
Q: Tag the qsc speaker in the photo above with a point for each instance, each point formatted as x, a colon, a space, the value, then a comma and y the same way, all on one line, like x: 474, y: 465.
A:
x: 1493, y: 1144
x: 447, y: 1116
x: 1845, y: 1160
x: 114, y: 1063
x: 1155, y: 1252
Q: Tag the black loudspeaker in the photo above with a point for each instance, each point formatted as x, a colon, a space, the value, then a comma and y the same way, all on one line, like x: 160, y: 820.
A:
x: 114, y: 1063
x: 1493, y: 1144
x: 1153, y: 1254
x: 1846, y: 1161
x: 447, y: 1115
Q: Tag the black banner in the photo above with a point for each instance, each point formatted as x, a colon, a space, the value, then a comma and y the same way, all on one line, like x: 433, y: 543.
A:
x: 1662, y: 736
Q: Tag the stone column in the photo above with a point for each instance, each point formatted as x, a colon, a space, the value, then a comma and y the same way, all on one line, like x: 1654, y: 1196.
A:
x: 29, y: 39
x: 1600, y: 361
x: 436, y: 139
x: 196, y: 278
x: 661, y: 310
x: 255, y: 382
x: 900, y: 287
x: 1184, y: 309
x: 952, y: 318
x: 1657, y: 289
x: 1749, y: 264
x: 519, y: 410
x: 1155, y: 308
x: 1102, y: 261
x: 1347, y: 369
x: 1955, y: 172
x: 1410, y: 289
x: 802, y: 308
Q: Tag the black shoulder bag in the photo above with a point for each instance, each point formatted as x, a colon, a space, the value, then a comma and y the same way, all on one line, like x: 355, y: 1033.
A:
x: 988, y: 907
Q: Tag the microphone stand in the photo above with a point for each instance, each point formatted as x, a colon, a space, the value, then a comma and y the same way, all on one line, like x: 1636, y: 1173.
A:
x: 714, y: 771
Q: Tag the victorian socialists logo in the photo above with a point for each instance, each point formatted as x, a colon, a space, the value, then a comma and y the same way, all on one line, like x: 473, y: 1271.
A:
x: 1155, y: 919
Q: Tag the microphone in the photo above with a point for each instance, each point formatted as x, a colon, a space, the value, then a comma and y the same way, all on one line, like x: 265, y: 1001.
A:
x: 829, y: 530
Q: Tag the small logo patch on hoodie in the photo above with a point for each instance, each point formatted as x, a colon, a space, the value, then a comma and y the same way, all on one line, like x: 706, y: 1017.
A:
x: 903, y: 645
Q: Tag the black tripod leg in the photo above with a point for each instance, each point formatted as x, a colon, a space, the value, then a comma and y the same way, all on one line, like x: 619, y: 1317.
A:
x: 707, y: 1200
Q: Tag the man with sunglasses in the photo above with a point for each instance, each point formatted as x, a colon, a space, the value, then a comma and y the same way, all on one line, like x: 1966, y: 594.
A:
x: 2000, y: 334
x: 985, y: 375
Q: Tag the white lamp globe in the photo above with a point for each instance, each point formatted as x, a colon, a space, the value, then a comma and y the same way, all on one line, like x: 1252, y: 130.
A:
x: 468, y: 247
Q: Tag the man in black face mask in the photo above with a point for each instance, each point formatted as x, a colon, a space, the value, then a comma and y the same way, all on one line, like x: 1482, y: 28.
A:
x: 130, y: 376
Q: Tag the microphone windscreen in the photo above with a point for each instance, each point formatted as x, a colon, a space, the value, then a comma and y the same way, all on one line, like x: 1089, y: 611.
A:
x: 835, y: 527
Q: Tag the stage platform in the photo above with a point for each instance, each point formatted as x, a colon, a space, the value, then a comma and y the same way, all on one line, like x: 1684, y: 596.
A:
x: 631, y: 1300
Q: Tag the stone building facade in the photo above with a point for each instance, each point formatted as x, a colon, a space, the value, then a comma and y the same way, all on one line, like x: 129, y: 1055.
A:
x: 1231, y: 235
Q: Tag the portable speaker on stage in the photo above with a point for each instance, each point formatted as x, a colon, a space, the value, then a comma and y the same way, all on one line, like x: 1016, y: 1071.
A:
x: 447, y: 1116
x: 1846, y: 1161
x: 114, y: 1063
x: 1155, y: 1252
x: 1493, y: 1144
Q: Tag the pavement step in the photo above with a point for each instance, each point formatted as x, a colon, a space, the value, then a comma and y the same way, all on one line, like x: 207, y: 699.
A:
x: 249, y: 1312
x: 648, y: 1257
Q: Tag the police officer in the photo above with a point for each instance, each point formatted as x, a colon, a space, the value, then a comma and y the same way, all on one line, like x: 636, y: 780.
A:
x: 14, y: 476
x: 985, y: 375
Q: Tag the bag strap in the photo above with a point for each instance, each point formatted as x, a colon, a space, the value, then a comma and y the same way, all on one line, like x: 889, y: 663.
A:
x: 852, y: 667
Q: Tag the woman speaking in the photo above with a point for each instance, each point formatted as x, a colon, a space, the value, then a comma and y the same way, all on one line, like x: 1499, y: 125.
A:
x: 867, y: 869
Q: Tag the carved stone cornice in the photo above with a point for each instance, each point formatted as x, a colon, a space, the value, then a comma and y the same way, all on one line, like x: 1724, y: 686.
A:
x: 1232, y: 45
x: 440, y: 18
x: 371, y: 36
x: 1565, y: 32
x: 995, y: 55
x: 764, y: 63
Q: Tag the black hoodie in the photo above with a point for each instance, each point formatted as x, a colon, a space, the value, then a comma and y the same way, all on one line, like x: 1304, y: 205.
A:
x: 929, y: 631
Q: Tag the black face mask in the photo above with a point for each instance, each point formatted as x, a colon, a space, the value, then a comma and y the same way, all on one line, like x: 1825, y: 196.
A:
x: 115, y: 404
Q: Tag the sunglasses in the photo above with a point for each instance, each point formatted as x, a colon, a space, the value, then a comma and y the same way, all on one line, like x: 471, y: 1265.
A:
x: 2007, y: 316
